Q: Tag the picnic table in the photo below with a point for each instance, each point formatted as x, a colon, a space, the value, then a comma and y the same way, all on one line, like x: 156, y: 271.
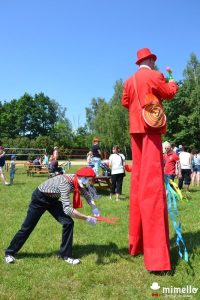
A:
x: 102, y: 182
x: 32, y: 169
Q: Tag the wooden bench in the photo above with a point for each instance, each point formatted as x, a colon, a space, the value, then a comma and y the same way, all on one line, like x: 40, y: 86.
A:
x: 32, y: 169
x: 17, y: 166
x: 102, y: 182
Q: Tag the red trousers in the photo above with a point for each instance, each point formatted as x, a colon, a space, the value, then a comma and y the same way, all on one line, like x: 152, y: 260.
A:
x: 148, y: 228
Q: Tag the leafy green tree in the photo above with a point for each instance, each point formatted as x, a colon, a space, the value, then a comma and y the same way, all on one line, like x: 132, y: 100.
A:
x: 25, y: 106
x: 183, y: 111
x: 91, y: 113
x: 30, y: 116
x: 62, y: 133
x: 113, y: 120
x: 82, y: 138
x: 36, y: 116
x: 119, y: 119
x: 109, y: 120
x: 8, y: 119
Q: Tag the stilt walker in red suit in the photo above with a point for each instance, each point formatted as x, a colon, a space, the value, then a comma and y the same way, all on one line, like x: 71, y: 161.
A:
x: 148, y: 228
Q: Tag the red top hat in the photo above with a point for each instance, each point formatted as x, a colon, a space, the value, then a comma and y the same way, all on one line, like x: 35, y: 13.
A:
x: 143, y: 54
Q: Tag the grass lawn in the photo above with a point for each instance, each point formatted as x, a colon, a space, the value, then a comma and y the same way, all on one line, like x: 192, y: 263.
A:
x: 106, y: 271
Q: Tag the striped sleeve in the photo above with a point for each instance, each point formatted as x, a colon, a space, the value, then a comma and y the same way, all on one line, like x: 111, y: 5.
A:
x: 86, y: 194
x: 65, y: 189
x: 59, y: 186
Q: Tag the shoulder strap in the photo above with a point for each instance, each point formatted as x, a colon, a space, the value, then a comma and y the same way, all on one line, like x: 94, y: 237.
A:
x: 121, y: 158
x: 136, y: 91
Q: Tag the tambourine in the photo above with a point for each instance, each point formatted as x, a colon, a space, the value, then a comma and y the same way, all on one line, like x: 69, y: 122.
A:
x: 153, y: 113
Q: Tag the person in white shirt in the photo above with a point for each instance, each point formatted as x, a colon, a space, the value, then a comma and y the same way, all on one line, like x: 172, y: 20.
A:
x: 117, y: 163
x: 185, y: 159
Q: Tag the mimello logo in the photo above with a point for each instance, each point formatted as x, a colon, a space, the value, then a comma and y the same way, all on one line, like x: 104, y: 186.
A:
x: 155, y: 286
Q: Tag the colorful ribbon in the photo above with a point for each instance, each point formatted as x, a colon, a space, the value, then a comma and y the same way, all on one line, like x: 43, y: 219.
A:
x: 173, y: 212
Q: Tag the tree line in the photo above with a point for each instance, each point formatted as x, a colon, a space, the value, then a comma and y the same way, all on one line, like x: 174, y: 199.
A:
x: 40, y: 122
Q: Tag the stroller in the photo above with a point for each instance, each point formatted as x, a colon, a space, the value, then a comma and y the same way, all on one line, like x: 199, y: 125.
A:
x: 106, y: 170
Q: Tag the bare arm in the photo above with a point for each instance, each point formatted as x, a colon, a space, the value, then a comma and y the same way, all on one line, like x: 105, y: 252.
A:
x: 1, y: 155
x: 179, y: 169
x: 191, y: 158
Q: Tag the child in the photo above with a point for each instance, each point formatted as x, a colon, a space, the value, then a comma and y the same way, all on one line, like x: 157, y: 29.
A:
x: 89, y: 159
x: 45, y: 161
x: 12, y: 168
x: 68, y: 164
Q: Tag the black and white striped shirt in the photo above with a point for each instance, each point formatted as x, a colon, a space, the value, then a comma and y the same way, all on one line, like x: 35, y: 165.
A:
x: 58, y: 187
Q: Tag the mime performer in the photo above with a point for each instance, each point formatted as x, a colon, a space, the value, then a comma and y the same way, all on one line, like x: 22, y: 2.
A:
x: 148, y: 220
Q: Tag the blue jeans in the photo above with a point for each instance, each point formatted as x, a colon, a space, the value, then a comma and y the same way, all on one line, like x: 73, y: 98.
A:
x: 96, y: 161
x: 12, y: 174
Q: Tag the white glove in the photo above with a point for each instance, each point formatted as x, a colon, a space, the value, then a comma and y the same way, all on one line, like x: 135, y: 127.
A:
x: 91, y: 220
x: 96, y: 212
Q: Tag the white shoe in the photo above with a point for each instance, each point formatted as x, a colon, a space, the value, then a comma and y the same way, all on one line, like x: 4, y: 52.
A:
x: 9, y: 259
x: 72, y: 261
x: 7, y: 183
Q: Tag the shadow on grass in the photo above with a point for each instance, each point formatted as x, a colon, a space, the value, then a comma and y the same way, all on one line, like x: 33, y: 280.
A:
x: 192, y: 190
x: 111, y: 253
x: 22, y: 255
x: 18, y: 183
x: 192, y: 242
x: 106, y: 254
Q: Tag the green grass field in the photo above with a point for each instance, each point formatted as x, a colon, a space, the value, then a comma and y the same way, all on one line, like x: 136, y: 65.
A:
x: 106, y: 271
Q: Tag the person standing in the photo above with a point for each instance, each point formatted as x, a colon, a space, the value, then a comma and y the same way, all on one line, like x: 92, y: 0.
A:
x: 195, y: 177
x: 55, y: 153
x: 90, y: 159
x: 96, y: 152
x: 186, y: 168
x: 69, y: 164
x: 117, y: 163
x: 171, y: 161
x: 148, y: 221
x: 45, y: 161
x: 12, y: 168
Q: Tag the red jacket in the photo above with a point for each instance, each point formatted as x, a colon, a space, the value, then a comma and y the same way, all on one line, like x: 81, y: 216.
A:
x: 148, y: 82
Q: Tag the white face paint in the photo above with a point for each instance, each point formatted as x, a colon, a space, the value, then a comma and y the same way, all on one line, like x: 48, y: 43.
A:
x: 83, y: 181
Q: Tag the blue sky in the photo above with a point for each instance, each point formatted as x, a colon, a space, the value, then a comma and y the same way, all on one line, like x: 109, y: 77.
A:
x: 74, y: 50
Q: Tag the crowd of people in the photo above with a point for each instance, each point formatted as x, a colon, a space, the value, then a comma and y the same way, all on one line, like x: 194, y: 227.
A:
x: 116, y: 163
x: 182, y: 163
